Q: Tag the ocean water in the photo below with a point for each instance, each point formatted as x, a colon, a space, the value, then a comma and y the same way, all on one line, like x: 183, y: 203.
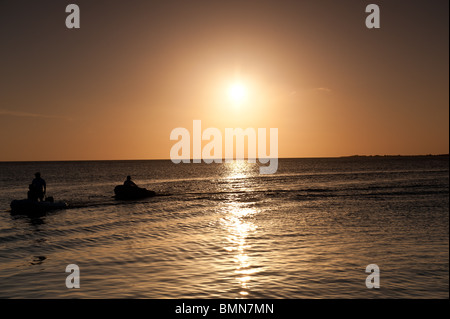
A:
x: 225, y: 231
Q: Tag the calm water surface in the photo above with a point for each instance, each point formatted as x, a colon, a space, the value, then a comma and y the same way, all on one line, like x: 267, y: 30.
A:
x: 224, y: 231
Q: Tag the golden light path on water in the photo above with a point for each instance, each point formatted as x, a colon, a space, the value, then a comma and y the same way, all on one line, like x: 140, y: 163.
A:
x: 237, y: 220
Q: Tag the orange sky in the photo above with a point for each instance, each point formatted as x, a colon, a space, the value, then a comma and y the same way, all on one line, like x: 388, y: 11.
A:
x: 135, y: 70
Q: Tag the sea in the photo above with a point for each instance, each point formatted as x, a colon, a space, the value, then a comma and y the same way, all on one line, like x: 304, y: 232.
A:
x: 223, y: 230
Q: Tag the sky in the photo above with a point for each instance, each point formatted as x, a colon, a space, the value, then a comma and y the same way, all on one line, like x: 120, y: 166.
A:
x: 135, y: 70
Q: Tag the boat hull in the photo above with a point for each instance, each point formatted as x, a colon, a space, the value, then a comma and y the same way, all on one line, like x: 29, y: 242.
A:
x: 26, y: 206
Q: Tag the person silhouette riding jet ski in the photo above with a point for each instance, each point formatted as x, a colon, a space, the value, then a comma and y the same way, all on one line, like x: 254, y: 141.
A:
x: 129, y: 182
x: 38, y: 188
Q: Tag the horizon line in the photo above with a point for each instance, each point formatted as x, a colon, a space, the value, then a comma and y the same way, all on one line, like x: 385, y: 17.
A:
x: 223, y: 159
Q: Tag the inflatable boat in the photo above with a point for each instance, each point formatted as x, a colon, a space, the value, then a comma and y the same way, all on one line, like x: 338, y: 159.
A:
x: 26, y: 206
x: 131, y: 192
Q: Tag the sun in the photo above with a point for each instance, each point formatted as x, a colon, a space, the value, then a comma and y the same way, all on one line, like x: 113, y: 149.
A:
x: 237, y: 93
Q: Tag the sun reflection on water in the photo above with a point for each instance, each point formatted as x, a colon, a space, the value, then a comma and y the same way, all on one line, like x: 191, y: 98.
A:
x: 237, y: 220
x: 239, y: 169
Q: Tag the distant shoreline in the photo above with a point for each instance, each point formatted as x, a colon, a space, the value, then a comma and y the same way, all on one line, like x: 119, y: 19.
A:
x: 427, y: 155
x: 281, y: 158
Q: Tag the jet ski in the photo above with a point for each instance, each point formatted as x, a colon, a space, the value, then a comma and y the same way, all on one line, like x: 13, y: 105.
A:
x: 132, y: 192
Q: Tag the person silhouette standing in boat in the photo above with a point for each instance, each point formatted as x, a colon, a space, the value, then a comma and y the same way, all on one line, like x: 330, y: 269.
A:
x: 31, y: 195
x: 38, y: 187
x: 129, y: 182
